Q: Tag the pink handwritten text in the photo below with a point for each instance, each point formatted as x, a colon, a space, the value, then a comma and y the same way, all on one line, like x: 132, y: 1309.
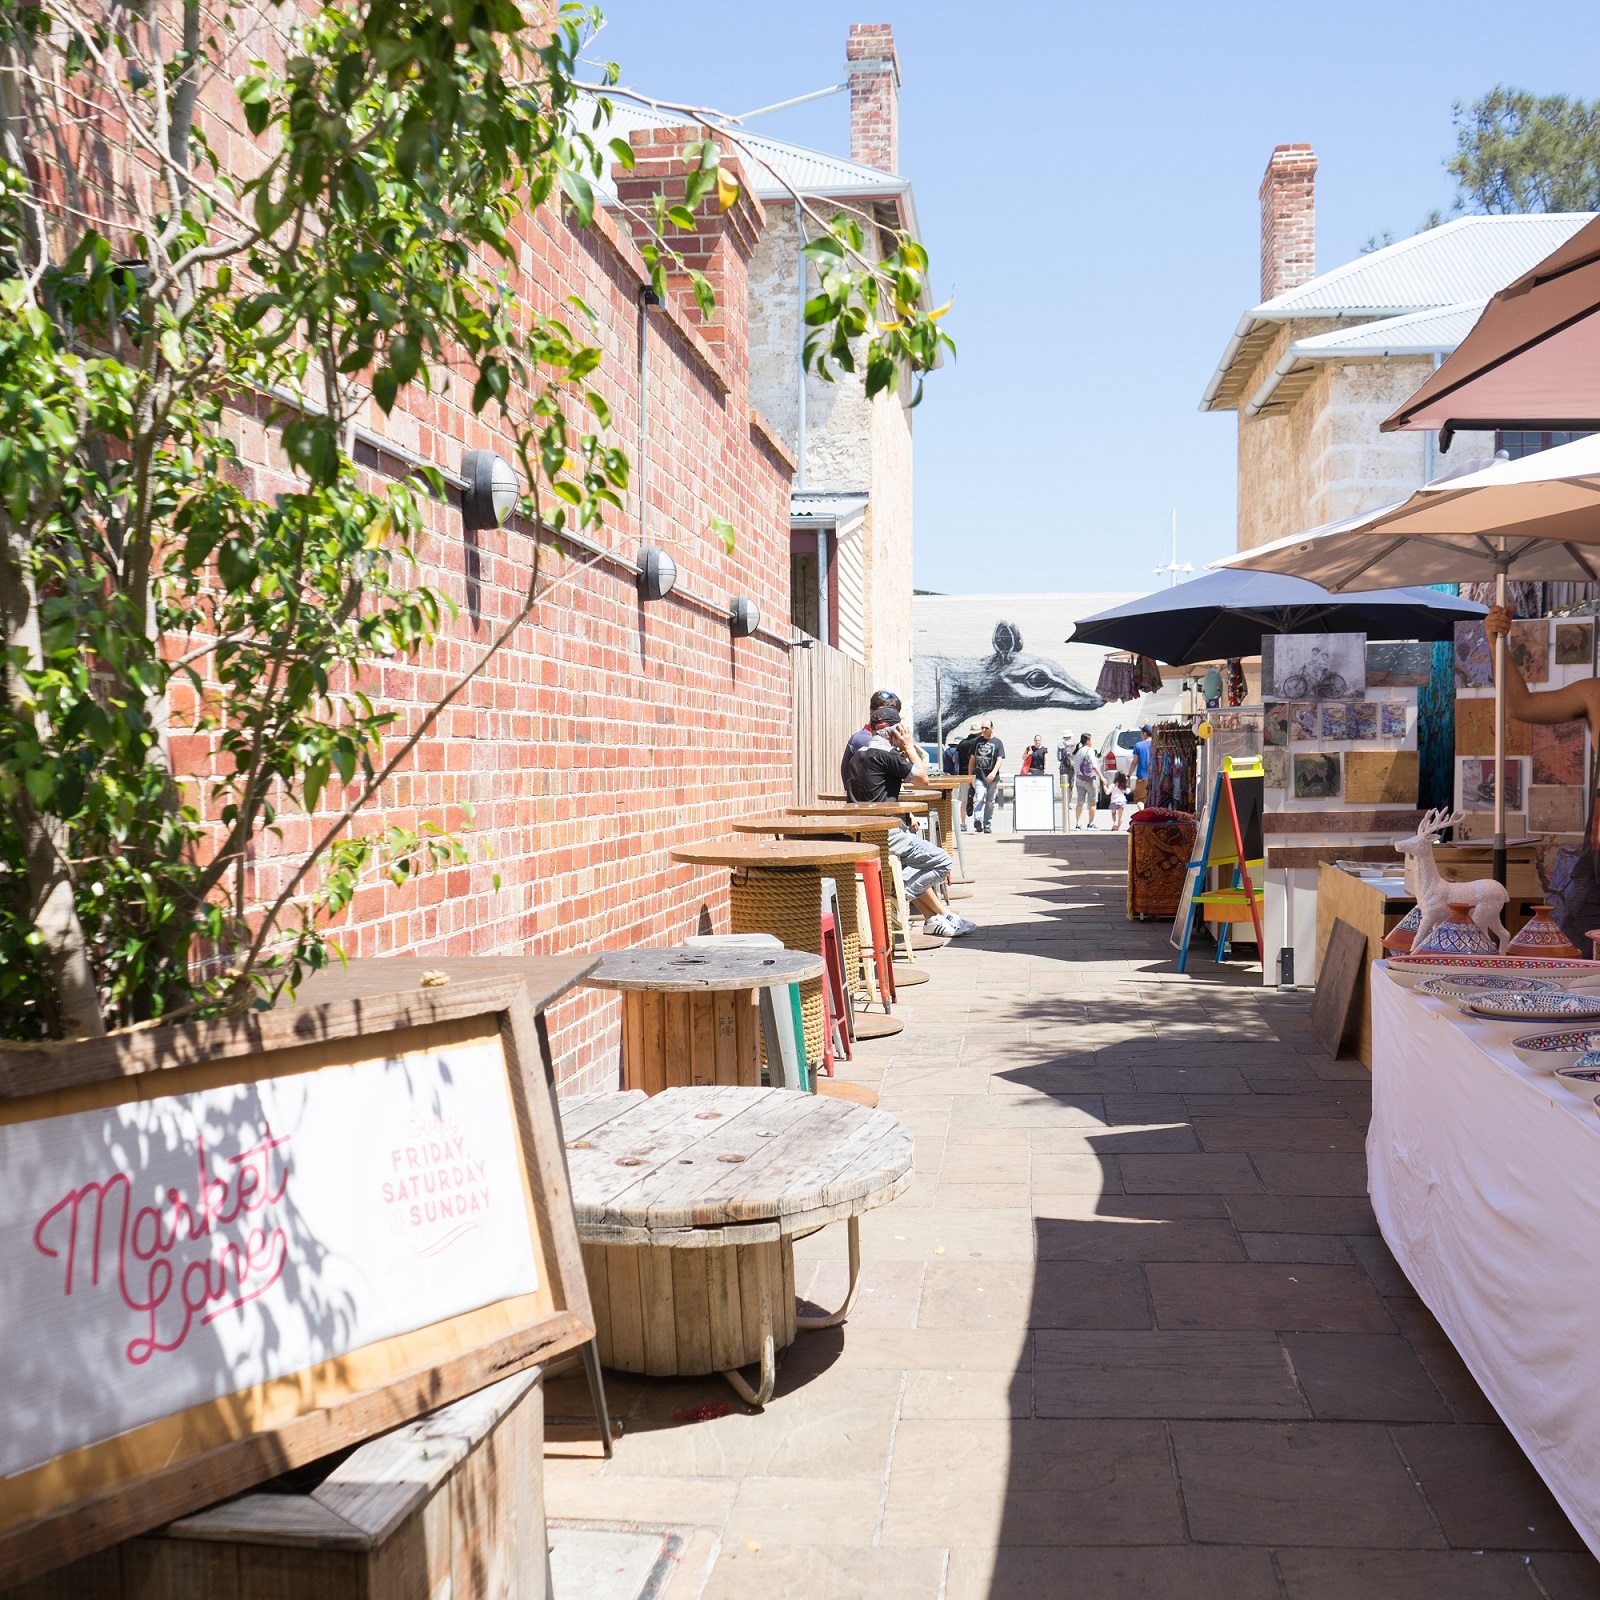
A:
x: 171, y: 1288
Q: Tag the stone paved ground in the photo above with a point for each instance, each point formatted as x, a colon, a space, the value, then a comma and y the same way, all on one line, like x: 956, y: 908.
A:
x: 1131, y: 1332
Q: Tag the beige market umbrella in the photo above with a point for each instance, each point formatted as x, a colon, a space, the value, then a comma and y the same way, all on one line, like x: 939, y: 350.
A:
x: 1534, y: 518
x: 1532, y: 359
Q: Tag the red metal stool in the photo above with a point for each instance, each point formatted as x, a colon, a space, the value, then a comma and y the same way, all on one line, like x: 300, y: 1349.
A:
x: 835, y: 1000
x: 869, y: 874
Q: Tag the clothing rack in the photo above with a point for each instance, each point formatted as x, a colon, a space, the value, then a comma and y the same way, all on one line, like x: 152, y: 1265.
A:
x: 1174, y: 763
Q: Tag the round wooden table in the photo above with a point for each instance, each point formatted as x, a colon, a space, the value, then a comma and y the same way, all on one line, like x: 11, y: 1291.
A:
x: 777, y: 889
x: 689, y: 1015
x: 862, y: 808
x: 688, y: 1205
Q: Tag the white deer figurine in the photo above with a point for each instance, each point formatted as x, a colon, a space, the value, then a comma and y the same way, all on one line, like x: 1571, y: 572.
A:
x: 1435, y: 895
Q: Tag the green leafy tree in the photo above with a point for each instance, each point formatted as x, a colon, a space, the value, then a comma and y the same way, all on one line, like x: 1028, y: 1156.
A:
x: 1517, y: 151
x: 183, y: 242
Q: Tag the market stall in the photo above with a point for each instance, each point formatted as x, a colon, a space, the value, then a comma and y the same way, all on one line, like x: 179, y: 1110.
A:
x: 1485, y: 1176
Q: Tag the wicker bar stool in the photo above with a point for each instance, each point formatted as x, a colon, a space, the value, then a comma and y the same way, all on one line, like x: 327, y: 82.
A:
x: 872, y: 832
x: 776, y: 888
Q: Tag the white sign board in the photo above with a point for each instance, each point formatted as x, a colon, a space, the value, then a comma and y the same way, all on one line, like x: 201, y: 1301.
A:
x: 170, y: 1251
x: 1034, y: 804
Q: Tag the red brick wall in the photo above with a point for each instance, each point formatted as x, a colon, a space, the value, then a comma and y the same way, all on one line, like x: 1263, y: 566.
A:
x: 1288, y: 219
x: 606, y: 733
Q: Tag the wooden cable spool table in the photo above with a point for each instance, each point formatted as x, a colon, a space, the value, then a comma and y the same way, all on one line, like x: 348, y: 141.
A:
x: 688, y: 1205
x: 690, y: 1016
x: 777, y: 889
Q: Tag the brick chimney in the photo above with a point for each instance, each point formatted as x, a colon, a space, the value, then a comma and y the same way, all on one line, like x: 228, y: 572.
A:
x: 1288, y: 219
x: 721, y: 243
x: 874, y: 95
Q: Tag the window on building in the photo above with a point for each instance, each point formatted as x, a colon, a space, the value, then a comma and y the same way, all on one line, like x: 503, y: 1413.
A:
x: 1520, y: 442
x: 805, y: 597
x: 814, y: 583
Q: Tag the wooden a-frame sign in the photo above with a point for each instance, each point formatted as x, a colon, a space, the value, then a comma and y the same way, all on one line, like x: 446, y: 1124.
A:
x: 230, y: 1248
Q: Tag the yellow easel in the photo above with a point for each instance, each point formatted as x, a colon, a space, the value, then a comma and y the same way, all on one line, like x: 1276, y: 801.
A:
x: 1241, y: 902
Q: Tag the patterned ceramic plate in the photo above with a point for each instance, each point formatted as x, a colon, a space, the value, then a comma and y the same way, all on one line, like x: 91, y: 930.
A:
x: 1466, y: 984
x: 1409, y: 971
x: 1533, y: 1007
x: 1495, y: 963
x: 1584, y: 1078
x: 1547, y: 1051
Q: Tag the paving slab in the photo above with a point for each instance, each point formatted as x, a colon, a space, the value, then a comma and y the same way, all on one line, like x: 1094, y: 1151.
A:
x: 1405, y: 1575
x: 1364, y: 1377
x: 1031, y: 1483
x: 1483, y: 1491
x: 1162, y: 1374
x: 1299, y: 1483
x: 1266, y: 1296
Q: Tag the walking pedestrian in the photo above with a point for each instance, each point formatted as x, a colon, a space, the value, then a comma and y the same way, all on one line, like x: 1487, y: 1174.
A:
x: 984, y: 768
x: 1141, y: 766
x: 1119, y: 801
x: 1085, y: 783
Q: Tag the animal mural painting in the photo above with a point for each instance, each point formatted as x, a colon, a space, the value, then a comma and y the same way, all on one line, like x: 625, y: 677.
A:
x: 1010, y: 679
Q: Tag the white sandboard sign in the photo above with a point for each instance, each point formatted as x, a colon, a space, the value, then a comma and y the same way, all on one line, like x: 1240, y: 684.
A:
x: 165, y: 1252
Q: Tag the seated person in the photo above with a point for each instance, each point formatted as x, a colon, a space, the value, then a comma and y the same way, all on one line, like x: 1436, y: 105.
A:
x: 875, y: 775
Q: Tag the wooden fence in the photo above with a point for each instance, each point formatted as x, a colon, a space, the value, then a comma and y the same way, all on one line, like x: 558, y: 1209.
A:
x: 830, y: 702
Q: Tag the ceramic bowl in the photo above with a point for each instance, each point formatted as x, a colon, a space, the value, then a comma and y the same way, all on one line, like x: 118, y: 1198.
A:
x: 1544, y: 1007
x: 1546, y: 1052
x: 1583, y: 1077
x: 1411, y: 970
x: 1467, y: 984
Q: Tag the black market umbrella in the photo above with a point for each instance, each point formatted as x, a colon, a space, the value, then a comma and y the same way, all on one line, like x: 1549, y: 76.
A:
x: 1226, y: 613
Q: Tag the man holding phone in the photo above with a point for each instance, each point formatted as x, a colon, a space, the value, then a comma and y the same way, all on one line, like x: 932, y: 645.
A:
x: 875, y: 775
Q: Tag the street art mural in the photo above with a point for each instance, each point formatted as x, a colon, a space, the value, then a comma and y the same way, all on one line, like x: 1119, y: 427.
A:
x: 1009, y: 678
x: 1008, y: 657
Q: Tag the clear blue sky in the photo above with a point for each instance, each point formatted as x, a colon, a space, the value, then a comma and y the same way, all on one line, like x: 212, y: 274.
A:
x: 1086, y: 182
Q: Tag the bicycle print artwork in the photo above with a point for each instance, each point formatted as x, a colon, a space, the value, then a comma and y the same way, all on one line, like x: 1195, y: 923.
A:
x: 1318, y: 666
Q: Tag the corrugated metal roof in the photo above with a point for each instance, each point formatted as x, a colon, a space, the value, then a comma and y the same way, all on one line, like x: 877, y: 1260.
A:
x: 1462, y: 261
x: 814, y: 505
x: 1467, y: 259
x: 812, y: 172
x: 1418, y: 333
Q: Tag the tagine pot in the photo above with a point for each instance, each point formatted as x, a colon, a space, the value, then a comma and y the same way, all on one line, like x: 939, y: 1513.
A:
x: 1457, y: 935
x: 1397, y: 941
x: 1541, y: 935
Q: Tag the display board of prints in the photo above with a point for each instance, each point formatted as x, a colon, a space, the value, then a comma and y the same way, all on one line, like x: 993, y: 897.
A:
x: 1546, y: 764
x: 195, y: 1254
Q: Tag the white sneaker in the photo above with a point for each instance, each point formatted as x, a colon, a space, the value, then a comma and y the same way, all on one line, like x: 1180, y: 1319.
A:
x: 941, y: 927
x: 965, y: 925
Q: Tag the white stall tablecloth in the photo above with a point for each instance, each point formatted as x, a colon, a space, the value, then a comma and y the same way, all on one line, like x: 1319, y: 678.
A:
x: 1485, y: 1176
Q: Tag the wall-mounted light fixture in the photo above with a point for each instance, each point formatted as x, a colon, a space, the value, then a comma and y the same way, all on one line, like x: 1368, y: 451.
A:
x: 658, y: 572
x: 491, y: 489
x: 744, y: 617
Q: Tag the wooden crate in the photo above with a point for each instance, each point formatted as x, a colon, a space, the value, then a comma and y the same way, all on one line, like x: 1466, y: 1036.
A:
x: 452, y: 1504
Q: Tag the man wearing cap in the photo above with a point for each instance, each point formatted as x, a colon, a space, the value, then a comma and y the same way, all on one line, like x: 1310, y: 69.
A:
x: 1141, y: 766
x: 873, y: 777
x: 860, y: 738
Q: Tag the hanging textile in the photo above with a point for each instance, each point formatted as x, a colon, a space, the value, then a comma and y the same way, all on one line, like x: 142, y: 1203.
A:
x: 1147, y: 675
x: 1237, y: 689
x: 1119, y: 679
x: 1174, y: 751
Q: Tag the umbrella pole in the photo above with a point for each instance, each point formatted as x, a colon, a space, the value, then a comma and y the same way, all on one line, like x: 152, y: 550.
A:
x: 1499, y: 855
